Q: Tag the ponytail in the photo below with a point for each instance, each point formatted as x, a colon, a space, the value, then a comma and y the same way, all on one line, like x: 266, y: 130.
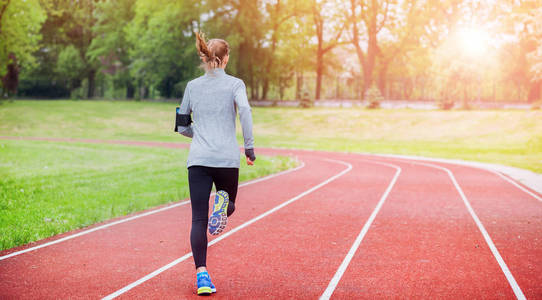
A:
x: 212, y: 52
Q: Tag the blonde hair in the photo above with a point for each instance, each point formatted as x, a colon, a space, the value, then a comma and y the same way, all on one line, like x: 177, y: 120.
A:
x: 212, y: 52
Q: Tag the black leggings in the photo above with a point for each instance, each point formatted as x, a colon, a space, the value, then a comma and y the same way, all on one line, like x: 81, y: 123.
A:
x: 200, y: 180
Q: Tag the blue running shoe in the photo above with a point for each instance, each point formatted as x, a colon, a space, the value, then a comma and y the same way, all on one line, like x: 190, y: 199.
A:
x: 205, y: 286
x: 219, y: 217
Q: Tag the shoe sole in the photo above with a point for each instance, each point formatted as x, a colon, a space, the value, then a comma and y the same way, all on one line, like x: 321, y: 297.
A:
x: 219, y: 217
x: 205, y: 290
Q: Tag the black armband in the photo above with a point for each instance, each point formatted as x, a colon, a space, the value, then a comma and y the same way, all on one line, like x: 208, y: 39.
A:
x: 183, y: 120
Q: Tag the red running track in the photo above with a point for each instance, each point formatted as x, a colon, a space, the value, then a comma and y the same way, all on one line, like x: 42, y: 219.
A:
x: 342, y: 226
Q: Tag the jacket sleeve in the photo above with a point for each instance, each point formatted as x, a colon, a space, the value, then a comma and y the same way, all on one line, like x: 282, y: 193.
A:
x: 245, y: 113
x: 185, y: 110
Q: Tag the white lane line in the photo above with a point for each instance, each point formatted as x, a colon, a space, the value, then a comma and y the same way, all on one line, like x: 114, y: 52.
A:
x: 139, y: 216
x: 225, y: 235
x: 511, y: 280
x: 466, y: 164
x: 517, y: 185
x: 342, y: 268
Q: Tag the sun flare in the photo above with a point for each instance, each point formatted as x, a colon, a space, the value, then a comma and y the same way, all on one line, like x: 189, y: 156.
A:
x: 473, y: 41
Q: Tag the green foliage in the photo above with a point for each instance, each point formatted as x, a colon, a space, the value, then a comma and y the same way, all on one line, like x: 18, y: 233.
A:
x: 71, y: 24
x: 70, y: 64
x: 111, y: 45
x: 163, y: 52
x: 145, y: 49
x: 20, y: 23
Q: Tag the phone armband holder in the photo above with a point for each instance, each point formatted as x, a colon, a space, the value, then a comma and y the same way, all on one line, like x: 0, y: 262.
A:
x: 182, y: 120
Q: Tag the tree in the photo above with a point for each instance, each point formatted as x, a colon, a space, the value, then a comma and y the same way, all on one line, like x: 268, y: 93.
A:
x: 163, y: 53
x: 242, y: 24
x: 70, y: 23
x: 111, y: 45
x: 322, y: 12
x: 520, y: 24
x: 535, y: 56
x: 71, y: 65
x: 373, y: 15
x: 400, y: 22
x: 404, y: 29
x: 279, y: 13
x: 10, y: 81
x: 20, y: 22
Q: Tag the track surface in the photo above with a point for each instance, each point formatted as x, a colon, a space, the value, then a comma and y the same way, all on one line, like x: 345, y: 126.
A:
x: 342, y: 226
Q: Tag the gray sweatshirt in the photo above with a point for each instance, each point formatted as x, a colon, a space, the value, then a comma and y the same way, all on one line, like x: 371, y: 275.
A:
x: 213, y: 99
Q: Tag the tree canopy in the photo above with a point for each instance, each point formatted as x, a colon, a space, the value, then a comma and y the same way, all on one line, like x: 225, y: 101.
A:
x: 334, y: 49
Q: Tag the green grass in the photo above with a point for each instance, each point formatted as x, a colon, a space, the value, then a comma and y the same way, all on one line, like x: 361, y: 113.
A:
x: 509, y: 137
x: 48, y: 188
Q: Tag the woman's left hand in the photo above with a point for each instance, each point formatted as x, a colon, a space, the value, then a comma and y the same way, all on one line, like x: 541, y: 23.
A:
x: 251, y: 157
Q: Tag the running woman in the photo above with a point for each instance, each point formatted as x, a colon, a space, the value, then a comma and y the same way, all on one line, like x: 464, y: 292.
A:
x: 212, y: 101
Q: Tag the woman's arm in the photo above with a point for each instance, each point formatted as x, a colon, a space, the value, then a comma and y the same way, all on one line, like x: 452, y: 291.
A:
x: 245, y: 116
x: 186, y: 121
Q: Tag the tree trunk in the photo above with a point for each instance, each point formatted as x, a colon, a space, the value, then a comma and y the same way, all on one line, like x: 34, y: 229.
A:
x: 10, y: 81
x: 465, y: 99
x: 337, y: 88
x: 494, y: 90
x: 423, y: 89
x: 265, y: 88
x: 382, y: 79
x: 319, y: 71
x: 299, y: 85
x: 91, y: 84
x: 534, y: 91
x: 359, y: 50
x: 281, y: 90
x: 371, y: 46
x: 253, y: 87
x: 2, y: 11
x: 130, y: 90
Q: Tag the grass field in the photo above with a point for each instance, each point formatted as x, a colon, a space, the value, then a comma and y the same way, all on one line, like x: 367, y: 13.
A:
x: 509, y: 137
x: 48, y: 188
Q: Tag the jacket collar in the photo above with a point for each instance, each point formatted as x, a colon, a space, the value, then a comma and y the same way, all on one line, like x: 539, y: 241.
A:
x: 215, y: 72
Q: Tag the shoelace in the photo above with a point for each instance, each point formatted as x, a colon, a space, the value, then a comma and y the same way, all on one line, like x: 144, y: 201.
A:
x: 203, y: 276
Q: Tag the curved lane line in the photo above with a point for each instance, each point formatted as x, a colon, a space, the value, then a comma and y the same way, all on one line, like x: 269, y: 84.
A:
x: 517, y: 185
x: 511, y: 280
x: 225, y: 235
x: 465, y: 164
x: 140, y: 215
x: 342, y: 268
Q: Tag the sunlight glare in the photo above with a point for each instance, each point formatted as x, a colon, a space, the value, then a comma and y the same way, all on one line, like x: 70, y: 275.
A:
x: 473, y: 41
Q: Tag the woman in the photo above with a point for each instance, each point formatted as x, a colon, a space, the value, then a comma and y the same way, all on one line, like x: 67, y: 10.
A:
x: 213, y: 99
